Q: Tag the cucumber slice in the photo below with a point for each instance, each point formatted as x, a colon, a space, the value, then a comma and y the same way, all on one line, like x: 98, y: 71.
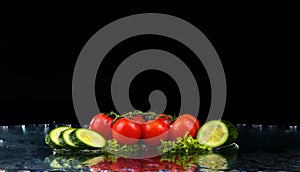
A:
x: 65, y: 139
x: 216, y: 133
x: 52, y: 139
x: 87, y: 138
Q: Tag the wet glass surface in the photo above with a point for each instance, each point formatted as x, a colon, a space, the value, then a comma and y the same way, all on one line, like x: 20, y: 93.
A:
x: 261, y: 147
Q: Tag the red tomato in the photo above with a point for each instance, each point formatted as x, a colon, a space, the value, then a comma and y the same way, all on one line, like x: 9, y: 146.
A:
x: 182, y: 125
x: 154, y: 131
x: 191, y: 117
x: 126, y: 131
x: 102, y: 124
x: 164, y: 116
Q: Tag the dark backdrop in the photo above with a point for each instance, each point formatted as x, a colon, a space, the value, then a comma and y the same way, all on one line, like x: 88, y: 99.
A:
x: 258, y: 48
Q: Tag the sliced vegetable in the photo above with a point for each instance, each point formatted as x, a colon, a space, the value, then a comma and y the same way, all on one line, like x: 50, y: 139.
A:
x: 65, y: 139
x: 52, y: 139
x: 216, y: 133
x: 86, y: 138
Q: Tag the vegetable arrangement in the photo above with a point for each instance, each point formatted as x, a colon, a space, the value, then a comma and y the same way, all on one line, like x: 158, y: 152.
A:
x: 205, y: 161
x: 130, y: 127
x: 126, y: 133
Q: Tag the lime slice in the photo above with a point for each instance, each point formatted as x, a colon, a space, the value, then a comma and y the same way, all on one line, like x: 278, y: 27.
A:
x: 87, y: 138
x: 213, y: 134
x: 216, y: 133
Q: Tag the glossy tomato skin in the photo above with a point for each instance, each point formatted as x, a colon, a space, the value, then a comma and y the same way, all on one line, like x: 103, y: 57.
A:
x: 155, y: 130
x: 191, y: 117
x: 102, y: 124
x: 126, y: 131
x: 182, y: 125
x: 167, y: 118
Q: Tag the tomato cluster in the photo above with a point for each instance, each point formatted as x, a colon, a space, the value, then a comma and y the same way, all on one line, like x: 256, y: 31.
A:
x: 129, y: 130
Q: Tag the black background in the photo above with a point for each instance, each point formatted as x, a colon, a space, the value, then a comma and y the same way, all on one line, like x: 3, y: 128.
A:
x: 257, y: 46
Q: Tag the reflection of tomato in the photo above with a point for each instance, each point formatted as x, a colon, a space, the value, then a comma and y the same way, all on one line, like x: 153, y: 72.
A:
x: 102, y: 124
x: 155, y: 164
x: 191, y: 117
x: 182, y: 125
x: 101, y: 166
x: 126, y: 164
x: 176, y: 167
x: 183, y: 166
x: 155, y: 130
x: 126, y: 131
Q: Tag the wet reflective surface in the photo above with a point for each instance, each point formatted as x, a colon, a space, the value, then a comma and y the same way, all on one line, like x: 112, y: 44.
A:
x: 261, y: 147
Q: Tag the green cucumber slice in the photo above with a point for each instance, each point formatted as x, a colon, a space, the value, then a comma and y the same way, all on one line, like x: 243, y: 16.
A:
x: 216, y: 133
x: 65, y: 139
x: 87, y: 138
x: 52, y: 139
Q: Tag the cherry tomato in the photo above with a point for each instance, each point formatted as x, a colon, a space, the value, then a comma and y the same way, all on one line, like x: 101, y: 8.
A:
x: 182, y: 125
x: 155, y: 130
x: 191, y: 117
x: 164, y: 116
x: 126, y: 131
x: 102, y: 124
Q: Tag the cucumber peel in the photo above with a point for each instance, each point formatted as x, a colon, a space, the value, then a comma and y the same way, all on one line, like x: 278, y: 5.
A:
x: 65, y: 139
x: 216, y: 133
x: 52, y: 139
x: 86, y: 138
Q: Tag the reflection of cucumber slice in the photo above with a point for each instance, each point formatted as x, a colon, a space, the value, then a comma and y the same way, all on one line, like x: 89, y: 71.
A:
x: 94, y: 160
x: 83, y: 137
x: 52, y: 139
x: 68, y: 162
x: 65, y: 140
x: 213, y: 161
x: 57, y: 162
x: 216, y: 133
